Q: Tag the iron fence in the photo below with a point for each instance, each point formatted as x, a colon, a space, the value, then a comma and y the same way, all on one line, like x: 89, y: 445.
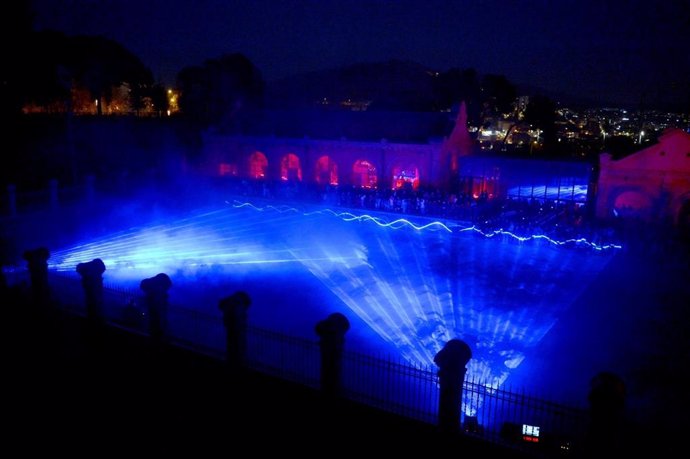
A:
x: 517, y: 417
x: 396, y: 386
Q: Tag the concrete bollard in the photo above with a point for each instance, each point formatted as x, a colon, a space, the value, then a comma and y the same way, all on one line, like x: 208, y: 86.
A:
x: 451, y: 361
x: 234, y: 308
x: 92, y: 282
x: 37, y: 261
x: 331, y: 332
x: 156, y: 297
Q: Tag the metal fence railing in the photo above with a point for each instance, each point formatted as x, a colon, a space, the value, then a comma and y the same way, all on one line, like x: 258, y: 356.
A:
x: 288, y: 357
x: 513, y: 417
x: 395, y: 386
x: 398, y: 387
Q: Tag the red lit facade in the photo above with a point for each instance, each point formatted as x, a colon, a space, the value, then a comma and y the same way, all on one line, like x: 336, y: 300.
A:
x: 652, y: 184
x: 364, y: 164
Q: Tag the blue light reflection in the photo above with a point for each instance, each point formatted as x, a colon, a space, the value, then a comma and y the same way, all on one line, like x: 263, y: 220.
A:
x: 416, y: 285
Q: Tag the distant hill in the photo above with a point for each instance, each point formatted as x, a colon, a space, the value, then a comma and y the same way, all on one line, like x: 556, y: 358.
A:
x: 393, y: 85
x: 370, y: 125
x: 563, y: 99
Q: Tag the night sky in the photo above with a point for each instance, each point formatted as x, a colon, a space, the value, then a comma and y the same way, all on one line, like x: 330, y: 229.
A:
x: 612, y: 52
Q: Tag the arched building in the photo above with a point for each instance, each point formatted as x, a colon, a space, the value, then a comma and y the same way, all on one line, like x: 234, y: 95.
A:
x: 652, y: 184
x: 450, y: 164
x: 326, y: 162
x: 382, y: 164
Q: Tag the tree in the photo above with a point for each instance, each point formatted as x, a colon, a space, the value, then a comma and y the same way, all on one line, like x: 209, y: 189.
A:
x: 485, y: 97
x: 541, y: 114
x: 57, y: 67
x: 138, y: 94
x: 498, y: 95
x: 48, y: 80
x: 194, y: 94
x: 620, y: 146
x: 15, y: 27
x: 455, y: 86
x: 99, y: 64
x: 221, y: 91
x: 159, y: 98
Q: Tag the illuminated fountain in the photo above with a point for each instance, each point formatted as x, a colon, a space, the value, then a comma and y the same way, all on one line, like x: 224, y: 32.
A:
x: 417, y: 284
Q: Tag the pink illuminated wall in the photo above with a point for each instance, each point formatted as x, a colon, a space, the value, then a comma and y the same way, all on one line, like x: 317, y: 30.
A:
x: 652, y: 184
x: 325, y: 161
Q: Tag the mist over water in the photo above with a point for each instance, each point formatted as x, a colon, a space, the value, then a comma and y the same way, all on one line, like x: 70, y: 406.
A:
x: 413, y: 289
x: 537, y: 315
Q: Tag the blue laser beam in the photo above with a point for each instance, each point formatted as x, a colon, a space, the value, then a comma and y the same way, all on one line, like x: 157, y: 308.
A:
x: 435, y: 225
x: 415, y: 288
x: 348, y: 217
x: 582, y: 241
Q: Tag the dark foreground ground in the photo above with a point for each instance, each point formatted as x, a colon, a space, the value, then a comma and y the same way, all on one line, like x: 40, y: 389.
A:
x: 76, y: 392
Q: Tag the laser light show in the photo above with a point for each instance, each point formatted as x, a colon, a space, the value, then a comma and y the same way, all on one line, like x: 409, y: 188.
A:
x: 416, y: 283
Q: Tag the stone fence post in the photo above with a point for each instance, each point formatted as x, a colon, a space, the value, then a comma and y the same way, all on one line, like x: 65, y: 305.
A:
x: 331, y: 332
x: 156, y: 297
x: 451, y: 361
x: 37, y: 261
x: 92, y: 282
x: 234, y: 308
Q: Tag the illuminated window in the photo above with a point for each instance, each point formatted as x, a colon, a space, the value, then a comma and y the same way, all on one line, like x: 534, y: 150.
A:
x: 290, y: 168
x: 407, y: 176
x: 326, y: 171
x: 364, y: 174
x: 258, y: 165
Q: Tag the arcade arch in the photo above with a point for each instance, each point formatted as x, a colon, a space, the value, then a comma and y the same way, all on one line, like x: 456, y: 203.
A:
x: 364, y: 174
x: 290, y: 168
x: 326, y: 171
x: 258, y: 165
x: 405, y: 177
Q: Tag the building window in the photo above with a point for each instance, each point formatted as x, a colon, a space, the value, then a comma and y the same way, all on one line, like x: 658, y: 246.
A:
x: 258, y: 164
x: 326, y: 171
x: 405, y: 177
x: 290, y: 169
x: 364, y: 174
